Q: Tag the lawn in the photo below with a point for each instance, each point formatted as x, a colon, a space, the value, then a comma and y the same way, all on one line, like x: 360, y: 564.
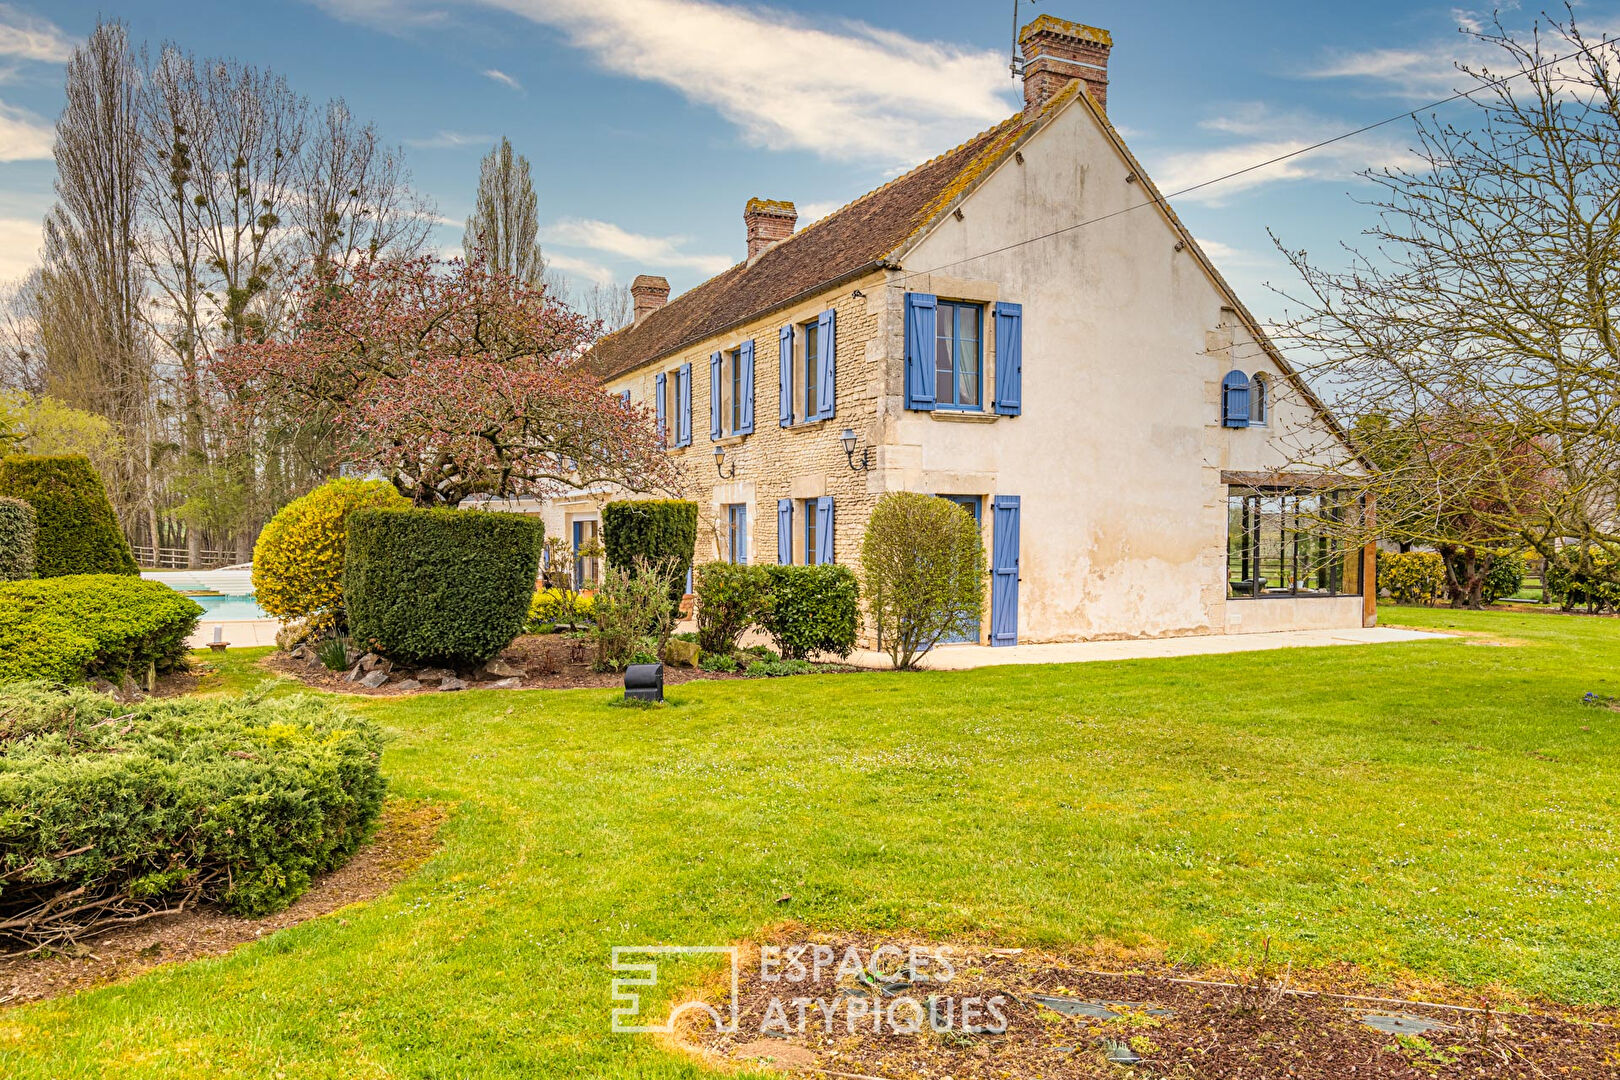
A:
x: 1442, y: 810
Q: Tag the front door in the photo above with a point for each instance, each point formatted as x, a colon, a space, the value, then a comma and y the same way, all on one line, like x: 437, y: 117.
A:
x: 971, y: 504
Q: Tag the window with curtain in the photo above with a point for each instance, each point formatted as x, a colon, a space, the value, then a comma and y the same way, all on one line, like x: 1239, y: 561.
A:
x: 737, y: 533
x: 958, y: 355
x: 1283, y: 542
x: 810, y: 381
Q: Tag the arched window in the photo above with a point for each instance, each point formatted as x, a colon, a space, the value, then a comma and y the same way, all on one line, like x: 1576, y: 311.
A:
x: 1259, y: 398
x: 1235, y: 400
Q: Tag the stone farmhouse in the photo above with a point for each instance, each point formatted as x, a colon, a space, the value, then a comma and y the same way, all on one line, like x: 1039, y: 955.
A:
x: 1095, y: 396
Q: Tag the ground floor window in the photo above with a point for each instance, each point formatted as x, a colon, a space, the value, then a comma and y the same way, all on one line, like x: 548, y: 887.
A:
x: 1283, y: 542
x: 737, y: 533
x: 808, y: 511
x: 587, y: 547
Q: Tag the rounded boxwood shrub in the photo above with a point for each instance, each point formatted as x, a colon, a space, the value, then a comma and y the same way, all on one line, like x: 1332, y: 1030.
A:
x: 78, y: 533
x: 298, y: 560
x: 923, y: 568
x: 1412, y: 577
x: 1505, y: 576
x: 66, y: 629
x: 440, y: 586
x: 661, y: 531
x: 809, y: 609
x: 19, y: 529
x: 729, y: 598
x: 110, y: 811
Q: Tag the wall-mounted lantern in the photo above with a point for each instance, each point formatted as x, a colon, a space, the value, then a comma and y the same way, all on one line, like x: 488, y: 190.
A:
x: 848, y: 439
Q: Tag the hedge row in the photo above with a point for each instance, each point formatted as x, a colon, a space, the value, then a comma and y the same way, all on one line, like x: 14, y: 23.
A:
x: 1419, y: 577
x: 439, y: 586
x: 19, y: 532
x: 661, y: 531
x: 132, y: 808
x: 65, y: 629
x: 805, y: 609
x: 78, y: 533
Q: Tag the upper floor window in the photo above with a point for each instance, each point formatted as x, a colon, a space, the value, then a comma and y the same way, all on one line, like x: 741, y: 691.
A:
x: 734, y: 391
x: 1259, y: 398
x: 958, y: 355
x: 810, y: 382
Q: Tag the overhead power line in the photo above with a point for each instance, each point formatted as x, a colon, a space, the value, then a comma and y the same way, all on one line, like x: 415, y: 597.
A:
x: 1245, y: 170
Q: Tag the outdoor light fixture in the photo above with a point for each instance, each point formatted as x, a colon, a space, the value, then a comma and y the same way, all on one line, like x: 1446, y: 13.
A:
x: 644, y: 682
x: 720, y: 456
x: 848, y: 439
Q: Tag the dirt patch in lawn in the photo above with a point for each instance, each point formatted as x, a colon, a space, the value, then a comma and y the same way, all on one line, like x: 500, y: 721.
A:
x: 1014, y: 1014
x: 406, y: 836
x: 534, y: 661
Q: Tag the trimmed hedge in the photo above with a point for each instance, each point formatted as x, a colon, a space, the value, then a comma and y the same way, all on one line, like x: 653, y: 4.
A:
x: 66, y: 629
x: 78, y: 533
x: 237, y: 801
x: 19, y: 532
x: 298, y: 559
x: 440, y: 586
x: 809, y: 609
x: 662, y: 531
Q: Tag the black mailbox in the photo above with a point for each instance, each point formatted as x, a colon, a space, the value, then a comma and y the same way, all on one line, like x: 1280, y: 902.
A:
x: 644, y: 682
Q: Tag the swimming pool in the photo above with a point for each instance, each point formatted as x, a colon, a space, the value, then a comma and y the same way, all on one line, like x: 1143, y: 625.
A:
x: 229, y: 608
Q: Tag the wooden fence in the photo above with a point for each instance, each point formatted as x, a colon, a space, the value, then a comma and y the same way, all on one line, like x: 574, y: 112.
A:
x: 179, y: 559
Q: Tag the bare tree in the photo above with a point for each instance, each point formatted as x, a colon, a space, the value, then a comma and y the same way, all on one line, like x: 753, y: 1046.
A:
x: 1477, y: 337
x: 94, y: 355
x: 505, y: 223
x: 611, y: 305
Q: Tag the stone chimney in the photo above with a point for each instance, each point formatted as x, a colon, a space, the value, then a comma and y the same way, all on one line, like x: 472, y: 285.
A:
x: 649, y: 293
x: 1057, y: 52
x: 768, y: 221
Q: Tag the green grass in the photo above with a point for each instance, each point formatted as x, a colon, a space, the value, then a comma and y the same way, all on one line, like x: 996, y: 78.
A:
x: 1445, y: 809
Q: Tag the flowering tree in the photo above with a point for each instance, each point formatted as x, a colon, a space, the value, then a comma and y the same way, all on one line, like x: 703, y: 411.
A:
x: 450, y: 380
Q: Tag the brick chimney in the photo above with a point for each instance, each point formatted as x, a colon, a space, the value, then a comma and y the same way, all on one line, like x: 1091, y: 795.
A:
x: 1057, y: 52
x: 768, y: 221
x: 649, y: 293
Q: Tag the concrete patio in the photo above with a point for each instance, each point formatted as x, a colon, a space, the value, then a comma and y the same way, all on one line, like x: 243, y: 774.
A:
x: 964, y: 657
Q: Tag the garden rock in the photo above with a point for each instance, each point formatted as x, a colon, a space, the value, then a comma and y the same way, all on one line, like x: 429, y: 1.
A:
x: 678, y: 653
x: 506, y: 684
x: 501, y: 669
x: 434, y: 674
x: 374, y: 679
x: 408, y: 685
x: 372, y: 662
x: 103, y: 686
x: 302, y: 652
x: 452, y: 683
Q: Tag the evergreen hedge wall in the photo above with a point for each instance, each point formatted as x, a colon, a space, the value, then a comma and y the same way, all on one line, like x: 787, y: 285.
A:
x: 67, y: 629
x: 658, y: 530
x: 19, y: 531
x: 439, y: 586
x: 78, y: 533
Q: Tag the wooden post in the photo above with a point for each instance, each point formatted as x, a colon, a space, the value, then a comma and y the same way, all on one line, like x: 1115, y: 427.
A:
x: 1369, y: 568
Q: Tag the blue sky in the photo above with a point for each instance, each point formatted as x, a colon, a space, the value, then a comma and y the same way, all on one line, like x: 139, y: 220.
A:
x: 650, y: 122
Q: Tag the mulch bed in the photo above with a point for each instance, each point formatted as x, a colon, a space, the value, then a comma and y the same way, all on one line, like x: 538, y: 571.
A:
x: 406, y: 836
x: 544, y: 661
x: 1152, y: 1022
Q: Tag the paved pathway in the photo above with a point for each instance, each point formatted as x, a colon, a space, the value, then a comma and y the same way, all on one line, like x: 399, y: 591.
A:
x: 963, y: 657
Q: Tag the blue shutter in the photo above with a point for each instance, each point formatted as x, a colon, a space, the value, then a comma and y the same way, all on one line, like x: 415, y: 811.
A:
x: 824, y: 532
x: 683, y: 406
x: 714, y: 396
x: 784, y: 531
x: 624, y: 395
x: 920, y: 334
x: 787, y: 376
x: 1004, y: 570
x: 826, y: 336
x: 662, y: 383
x: 1009, y: 359
x: 1235, y: 400
x: 745, y: 357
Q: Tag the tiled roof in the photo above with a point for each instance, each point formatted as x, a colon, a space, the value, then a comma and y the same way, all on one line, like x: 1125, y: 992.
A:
x: 841, y: 244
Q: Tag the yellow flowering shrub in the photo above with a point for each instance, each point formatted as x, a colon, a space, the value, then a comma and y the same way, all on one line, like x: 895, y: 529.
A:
x: 1412, y: 577
x: 298, y: 561
x: 550, y: 606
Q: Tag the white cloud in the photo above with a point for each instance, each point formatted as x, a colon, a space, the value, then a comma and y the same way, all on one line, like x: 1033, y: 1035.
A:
x: 838, y: 88
x: 448, y: 140
x: 19, y: 247
x: 812, y: 212
x: 24, y: 136
x: 646, y: 251
x: 29, y: 37
x: 568, y: 264
x: 1268, y: 134
x: 503, y: 78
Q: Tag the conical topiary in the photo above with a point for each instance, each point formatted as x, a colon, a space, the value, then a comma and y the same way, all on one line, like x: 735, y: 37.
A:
x: 77, y: 532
